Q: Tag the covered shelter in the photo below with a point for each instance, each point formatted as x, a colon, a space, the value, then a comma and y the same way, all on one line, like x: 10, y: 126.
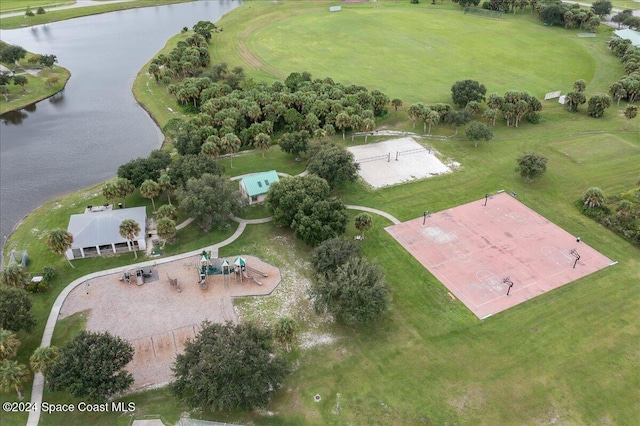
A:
x: 97, y: 233
x: 256, y: 186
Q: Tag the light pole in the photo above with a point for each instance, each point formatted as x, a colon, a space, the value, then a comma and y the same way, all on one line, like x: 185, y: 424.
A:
x: 486, y: 197
x: 424, y: 217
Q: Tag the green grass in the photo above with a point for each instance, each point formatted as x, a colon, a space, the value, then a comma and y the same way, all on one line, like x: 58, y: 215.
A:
x: 406, y: 55
x: 36, y: 89
x: 568, y: 356
x: 61, y: 15
x: 18, y: 5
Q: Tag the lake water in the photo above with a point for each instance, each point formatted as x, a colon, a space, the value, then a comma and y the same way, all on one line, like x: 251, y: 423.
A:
x: 80, y: 137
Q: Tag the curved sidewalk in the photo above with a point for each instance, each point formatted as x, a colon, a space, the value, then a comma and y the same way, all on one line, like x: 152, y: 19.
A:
x: 38, y: 379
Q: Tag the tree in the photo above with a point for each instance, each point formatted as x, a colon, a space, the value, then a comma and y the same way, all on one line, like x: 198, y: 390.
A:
x: 12, y: 376
x: 342, y: 122
x: 597, y: 105
x: 285, y: 197
x: 167, y: 210
x: 601, y: 7
x: 579, y: 85
x: 630, y: 112
x: 363, y: 222
x: 462, y: 92
x: 193, y: 166
x: 573, y: 99
x: 211, y: 199
x: 48, y: 60
x: 129, y: 230
x: 14, y: 276
x: 15, y: 310
x: 228, y: 367
x: 43, y: 358
x: 204, y: 28
x: 262, y: 142
x: 20, y: 80
x: 478, y: 132
x: 531, y: 165
x: 166, y: 186
x: 123, y: 188
x: 10, y: 54
x: 286, y: 331
x: 332, y: 253
x: 318, y: 221
x: 40, y: 11
x: 231, y: 144
x: 459, y: 118
x: 397, y: 103
x: 166, y: 228
x: 59, y: 241
x: 29, y: 12
x: 355, y: 293
x: 92, y: 366
x: 490, y: 115
x: 593, y: 197
x: 294, y: 143
x: 150, y: 189
x: 9, y: 344
x: 335, y: 164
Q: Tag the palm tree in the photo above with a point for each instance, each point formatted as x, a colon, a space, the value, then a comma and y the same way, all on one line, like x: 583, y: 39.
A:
x: 593, y: 197
x: 150, y: 189
x: 166, y: 185
x: 14, y: 276
x: 42, y: 358
x: 8, y: 344
x: 368, y: 124
x: 167, y: 210
x: 363, y: 222
x: 123, y: 188
x: 129, y: 229
x: 397, y: 103
x: 231, y: 144
x: 210, y: 148
x: 286, y: 330
x: 263, y: 142
x: 166, y: 229
x: 13, y: 375
x: 630, y: 112
x: 59, y: 241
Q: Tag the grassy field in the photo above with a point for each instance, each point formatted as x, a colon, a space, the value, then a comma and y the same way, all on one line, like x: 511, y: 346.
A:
x: 567, y: 357
x: 19, y: 5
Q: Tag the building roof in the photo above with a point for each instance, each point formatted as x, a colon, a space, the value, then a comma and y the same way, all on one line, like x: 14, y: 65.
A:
x: 259, y: 183
x: 628, y: 34
x: 102, y: 228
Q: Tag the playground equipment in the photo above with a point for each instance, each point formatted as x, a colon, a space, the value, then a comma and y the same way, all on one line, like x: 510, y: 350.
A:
x: 139, y: 273
x: 173, y: 282
x: 242, y: 268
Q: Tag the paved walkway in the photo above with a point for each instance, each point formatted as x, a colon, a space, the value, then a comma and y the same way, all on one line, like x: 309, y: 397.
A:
x: 38, y: 380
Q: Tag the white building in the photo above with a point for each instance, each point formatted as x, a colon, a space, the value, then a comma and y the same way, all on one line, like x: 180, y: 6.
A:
x: 96, y: 232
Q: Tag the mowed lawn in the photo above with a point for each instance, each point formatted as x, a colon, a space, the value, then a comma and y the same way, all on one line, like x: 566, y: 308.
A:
x: 411, y: 53
x: 567, y: 357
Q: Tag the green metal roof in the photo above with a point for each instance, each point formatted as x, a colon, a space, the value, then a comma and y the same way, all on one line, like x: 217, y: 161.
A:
x: 259, y: 183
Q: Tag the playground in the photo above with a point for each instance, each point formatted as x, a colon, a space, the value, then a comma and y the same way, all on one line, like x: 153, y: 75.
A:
x: 396, y: 161
x: 161, y: 307
x: 495, y: 253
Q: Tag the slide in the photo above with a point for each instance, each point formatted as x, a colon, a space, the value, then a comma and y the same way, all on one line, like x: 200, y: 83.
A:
x: 244, y: 274
x: 256, y: 271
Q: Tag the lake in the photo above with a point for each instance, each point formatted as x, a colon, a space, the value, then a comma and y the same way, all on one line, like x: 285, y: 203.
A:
x: 79, y: 137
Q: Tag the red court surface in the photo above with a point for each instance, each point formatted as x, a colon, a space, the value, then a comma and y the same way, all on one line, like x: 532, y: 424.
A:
x: 472, y: 248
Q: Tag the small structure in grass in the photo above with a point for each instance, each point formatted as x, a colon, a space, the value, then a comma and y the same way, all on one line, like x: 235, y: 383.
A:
x: 256, y: 186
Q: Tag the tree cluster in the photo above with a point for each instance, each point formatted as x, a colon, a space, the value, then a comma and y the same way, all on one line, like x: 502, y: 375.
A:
x: 15, y: 310
x: 300, y: 104
x: 626, y: 18
x: 628, y: 86
x: 346, y: 285
x: 187, y: 59
x: 621, y: 213
x: 92, y: 366
x: 303, y: 203
x: 229, y: 367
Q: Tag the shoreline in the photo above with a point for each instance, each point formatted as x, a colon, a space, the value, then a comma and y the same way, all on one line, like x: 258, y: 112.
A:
x: 64, y: 85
